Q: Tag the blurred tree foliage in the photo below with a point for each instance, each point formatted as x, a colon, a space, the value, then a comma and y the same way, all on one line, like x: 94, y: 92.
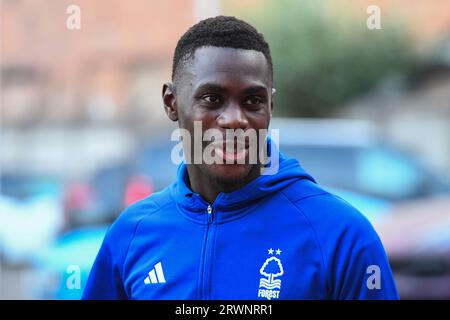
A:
x: 324, y: 55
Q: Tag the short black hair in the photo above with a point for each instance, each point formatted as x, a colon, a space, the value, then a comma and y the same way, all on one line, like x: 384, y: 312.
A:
x: 220, y: 31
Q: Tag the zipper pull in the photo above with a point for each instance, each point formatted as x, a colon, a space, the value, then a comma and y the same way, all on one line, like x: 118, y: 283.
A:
x: 209, y: 213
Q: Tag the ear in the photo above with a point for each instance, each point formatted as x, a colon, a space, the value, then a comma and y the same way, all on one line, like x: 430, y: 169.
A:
x: 169, y: 100
x: 271, y: 101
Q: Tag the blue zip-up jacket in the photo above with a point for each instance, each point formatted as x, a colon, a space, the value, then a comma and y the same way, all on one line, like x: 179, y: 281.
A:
x: 280, y: 236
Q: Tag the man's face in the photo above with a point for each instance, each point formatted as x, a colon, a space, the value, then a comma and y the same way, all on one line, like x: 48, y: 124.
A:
x: 225, y: 88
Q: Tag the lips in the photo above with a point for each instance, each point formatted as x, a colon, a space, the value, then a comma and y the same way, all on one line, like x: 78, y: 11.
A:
x: 236, y: 156
x: 236, y: 153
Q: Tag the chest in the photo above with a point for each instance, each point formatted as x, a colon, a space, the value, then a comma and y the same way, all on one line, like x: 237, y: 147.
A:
x: 237, y: 260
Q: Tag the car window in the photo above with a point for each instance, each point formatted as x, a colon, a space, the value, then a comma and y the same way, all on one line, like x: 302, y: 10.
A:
x: 155, y: 162
x: 377, y: 171
x: 332, y: 166
x: 388, y: 173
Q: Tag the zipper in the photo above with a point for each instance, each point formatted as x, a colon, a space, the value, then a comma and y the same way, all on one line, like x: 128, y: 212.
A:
x: 204, y: 284
x: 209, y: 210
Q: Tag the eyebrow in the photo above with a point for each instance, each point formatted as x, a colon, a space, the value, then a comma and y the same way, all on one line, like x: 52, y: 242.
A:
x: 255, y: 89
x: 210, y: 87
x: 218, y: 88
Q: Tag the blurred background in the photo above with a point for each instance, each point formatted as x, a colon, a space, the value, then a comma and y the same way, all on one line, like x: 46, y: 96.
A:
x: 83, y: 131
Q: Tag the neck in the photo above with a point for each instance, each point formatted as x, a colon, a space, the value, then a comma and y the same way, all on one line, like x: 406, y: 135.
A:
x: 210, y: 187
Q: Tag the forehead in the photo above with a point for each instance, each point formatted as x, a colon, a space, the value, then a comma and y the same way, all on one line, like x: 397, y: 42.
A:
x: 216, y: 64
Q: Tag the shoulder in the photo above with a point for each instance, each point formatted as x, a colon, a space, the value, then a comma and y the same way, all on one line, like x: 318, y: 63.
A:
x: 347, y: 241
x: 330, y: 215
x: 121, y: 232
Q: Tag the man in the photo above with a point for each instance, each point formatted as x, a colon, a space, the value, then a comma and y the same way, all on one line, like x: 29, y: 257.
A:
x: 228, y: 230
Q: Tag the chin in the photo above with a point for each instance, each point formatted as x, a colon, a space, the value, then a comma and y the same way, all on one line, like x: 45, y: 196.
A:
x: 229, y: 173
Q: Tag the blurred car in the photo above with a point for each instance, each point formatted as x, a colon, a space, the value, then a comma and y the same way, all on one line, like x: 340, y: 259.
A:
x: 116, y: 186
x: 416, y: 235
x: 31, y: 215
x: 55, y: 266
x: 109, y: 184
x: 153, y: 160
x: 375, y: 209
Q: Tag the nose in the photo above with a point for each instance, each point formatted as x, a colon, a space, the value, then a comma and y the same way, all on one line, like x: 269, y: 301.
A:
x: 232, y: 117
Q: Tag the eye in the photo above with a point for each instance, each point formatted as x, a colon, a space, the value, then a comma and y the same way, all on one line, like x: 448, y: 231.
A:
x: 211, y: 98
x: 254, y: 100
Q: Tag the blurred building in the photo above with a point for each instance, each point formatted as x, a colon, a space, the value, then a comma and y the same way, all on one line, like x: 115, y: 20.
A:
x: 414, y: 109
x: 90, y: 91
x: 108, y: 71
x: 427, y: 20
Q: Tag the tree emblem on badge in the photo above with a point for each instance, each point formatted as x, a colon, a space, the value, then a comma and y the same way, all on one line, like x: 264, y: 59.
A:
x: 271, y: 269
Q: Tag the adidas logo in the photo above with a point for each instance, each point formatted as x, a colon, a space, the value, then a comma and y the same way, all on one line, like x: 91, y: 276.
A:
x: 156, y: 275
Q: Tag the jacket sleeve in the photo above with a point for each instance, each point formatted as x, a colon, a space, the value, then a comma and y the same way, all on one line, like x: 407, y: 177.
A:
x: 365, y: 274
x: 105, y: 280
x: 107, y: 277
x: 358, y: 259
x: 355, y: 262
